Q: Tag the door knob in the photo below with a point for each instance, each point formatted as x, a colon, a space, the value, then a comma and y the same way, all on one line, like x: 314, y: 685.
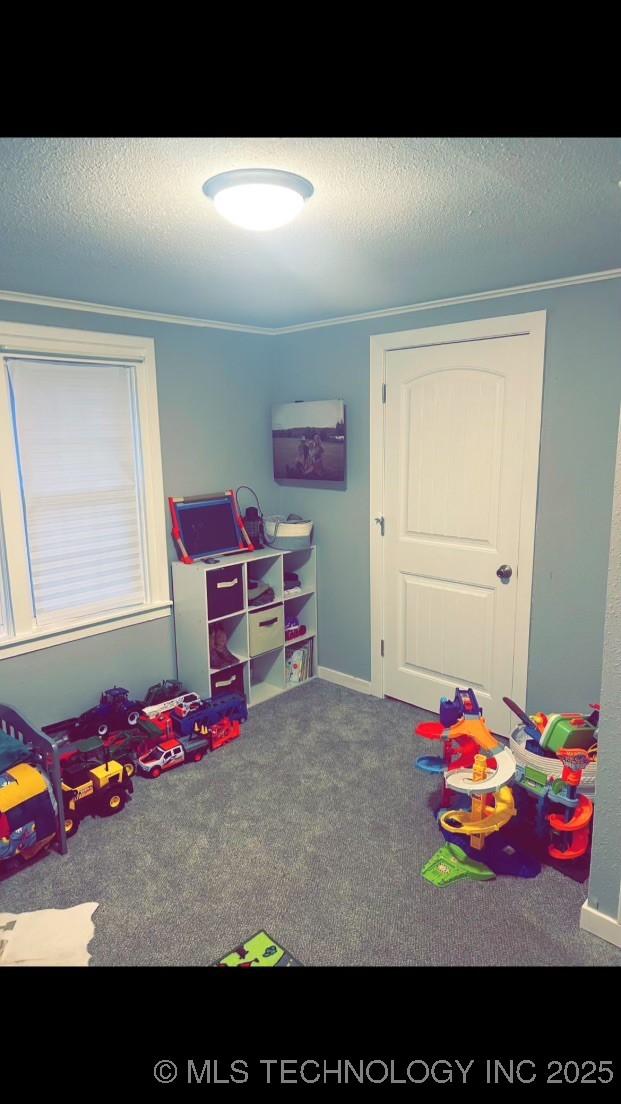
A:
x: 504, y: 572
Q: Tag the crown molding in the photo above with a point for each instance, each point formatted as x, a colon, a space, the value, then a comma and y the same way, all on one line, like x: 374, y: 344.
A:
x: 477, y: 296
x: 275, y: 331
x: 127, y: 312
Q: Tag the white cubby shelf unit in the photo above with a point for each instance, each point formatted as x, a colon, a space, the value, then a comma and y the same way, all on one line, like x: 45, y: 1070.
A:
x: 217, y: 595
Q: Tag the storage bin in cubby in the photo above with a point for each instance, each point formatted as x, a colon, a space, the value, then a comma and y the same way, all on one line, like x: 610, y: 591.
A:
x: 266, y: 629
x: 225, y: 591
x: 228, y: 681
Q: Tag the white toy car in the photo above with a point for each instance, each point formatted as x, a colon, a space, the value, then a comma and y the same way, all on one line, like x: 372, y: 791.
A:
x: 186, y: 702
x: 166, y: 755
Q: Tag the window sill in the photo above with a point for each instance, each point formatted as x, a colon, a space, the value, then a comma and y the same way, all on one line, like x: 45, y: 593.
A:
x: 49, y: 637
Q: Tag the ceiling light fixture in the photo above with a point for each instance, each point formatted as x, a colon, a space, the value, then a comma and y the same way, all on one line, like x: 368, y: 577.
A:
x: 258, y: 199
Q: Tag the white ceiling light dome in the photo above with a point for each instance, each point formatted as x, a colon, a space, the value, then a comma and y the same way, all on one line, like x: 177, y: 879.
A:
x: 258, y: 199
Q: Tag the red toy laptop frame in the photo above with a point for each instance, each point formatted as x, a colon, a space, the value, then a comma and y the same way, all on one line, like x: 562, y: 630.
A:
x: 208, y: 525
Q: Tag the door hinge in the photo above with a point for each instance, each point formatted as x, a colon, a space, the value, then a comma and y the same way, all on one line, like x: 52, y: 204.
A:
x: 381, y: 648
x: 383, y: 392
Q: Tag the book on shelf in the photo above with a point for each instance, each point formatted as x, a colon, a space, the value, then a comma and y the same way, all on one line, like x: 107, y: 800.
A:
x: 299, y: 662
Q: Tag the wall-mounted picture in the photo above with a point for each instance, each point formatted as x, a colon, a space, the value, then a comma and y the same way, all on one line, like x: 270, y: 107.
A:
x: 308, y: 439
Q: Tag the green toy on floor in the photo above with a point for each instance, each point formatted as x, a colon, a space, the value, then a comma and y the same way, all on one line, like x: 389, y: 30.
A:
x: 450, y: 863
x: 259, y: 950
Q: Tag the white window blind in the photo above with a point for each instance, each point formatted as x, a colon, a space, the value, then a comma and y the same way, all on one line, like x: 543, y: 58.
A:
x: 77, y: 440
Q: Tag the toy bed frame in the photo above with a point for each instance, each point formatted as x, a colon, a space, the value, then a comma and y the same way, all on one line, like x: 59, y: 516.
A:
x: 46, y: 753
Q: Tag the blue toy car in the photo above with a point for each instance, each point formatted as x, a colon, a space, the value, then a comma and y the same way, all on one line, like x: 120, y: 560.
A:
x: 116, y: 711
x: 464, y: 704
x: 210, y: 712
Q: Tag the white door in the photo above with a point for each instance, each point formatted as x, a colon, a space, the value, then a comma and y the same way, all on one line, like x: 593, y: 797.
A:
x: 461, y: 443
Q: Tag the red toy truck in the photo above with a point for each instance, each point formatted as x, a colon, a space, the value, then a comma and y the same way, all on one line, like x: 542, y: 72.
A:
x: 223, y: 732
x: 172, y: 753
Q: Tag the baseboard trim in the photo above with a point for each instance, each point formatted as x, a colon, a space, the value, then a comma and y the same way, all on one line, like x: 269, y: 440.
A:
x: 341, y: 679
x: 597, y: 923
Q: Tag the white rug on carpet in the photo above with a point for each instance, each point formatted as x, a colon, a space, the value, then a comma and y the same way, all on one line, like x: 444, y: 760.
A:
x: 48, y: 937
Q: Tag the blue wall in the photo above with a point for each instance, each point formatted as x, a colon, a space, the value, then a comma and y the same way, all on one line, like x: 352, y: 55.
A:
x: 605, y: 878
x: 582, y: 390
x: 215, y: 391
x: 214, y: 408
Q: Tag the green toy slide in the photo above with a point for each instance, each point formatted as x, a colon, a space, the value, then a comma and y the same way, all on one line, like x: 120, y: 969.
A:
x: 450, y: 863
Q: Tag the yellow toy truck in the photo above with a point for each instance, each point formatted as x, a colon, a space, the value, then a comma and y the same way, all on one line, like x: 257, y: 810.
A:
x: 42, y: 798
x: 28, y: 821
x: 100, y: 788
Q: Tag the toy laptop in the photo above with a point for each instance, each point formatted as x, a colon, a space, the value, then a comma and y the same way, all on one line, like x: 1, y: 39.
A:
x: 259, y: 950
x: 208, y: 525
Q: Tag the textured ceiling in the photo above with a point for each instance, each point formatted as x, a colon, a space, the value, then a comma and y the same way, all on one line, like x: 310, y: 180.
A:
x: 393, y: 221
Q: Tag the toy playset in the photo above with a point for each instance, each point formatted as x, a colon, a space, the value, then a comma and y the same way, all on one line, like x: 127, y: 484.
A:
x: 540, y: 737
x: 259, y: 950
x: 508, y: 829
x: 50, y: 780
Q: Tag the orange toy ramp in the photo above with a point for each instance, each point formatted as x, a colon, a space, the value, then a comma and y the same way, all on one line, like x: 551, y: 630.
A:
x: 578, y: 844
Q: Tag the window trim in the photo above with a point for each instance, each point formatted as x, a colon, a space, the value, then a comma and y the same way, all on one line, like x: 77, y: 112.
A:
x: 56, y: 343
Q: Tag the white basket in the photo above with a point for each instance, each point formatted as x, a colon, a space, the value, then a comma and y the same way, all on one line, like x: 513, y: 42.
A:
x: 551, y: 765
x: 281, y: 533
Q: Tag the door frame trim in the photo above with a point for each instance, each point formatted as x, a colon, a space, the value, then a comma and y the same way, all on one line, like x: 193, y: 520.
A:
x: 532, y: 324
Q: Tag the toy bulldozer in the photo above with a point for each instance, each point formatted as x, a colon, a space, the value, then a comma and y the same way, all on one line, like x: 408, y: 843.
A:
x: 100, y: 788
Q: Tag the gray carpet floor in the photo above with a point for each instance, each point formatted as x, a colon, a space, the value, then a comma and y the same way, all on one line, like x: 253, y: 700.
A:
x: 313, y: 825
